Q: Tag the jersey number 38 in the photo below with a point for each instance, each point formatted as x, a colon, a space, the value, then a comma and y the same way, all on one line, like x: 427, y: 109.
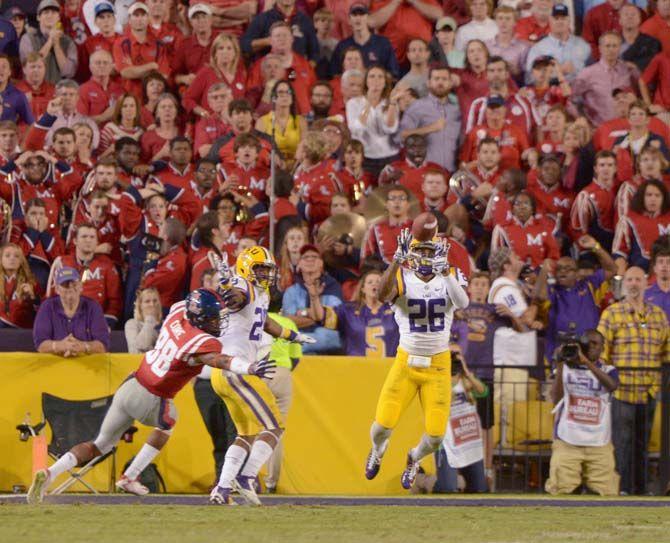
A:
x: 161, y: 356
x: 426, y: 315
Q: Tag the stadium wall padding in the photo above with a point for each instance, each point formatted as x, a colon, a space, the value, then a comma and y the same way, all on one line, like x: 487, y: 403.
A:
x: 326, y: 442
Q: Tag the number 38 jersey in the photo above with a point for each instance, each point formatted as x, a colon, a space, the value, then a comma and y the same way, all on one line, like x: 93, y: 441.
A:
x: 424, y: 312
x: 167, y: 368
x: 243, y: 335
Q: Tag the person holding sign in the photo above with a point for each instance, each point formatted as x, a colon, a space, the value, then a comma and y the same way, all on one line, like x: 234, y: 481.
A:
x: 463, y: 447
x: 582, y: 392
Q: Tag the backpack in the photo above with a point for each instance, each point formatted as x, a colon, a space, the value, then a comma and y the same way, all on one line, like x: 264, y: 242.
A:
x: 150, y: 477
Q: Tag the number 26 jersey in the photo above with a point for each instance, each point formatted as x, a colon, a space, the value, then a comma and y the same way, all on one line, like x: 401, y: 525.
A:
x: 424, y: 312
x: 167, y: 368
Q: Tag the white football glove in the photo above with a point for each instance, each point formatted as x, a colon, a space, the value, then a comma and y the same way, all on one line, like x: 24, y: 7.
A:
x: 304, y: 338
x: 404, y: 240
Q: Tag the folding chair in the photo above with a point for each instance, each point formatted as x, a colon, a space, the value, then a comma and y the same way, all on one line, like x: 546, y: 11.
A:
x: 73, y: 422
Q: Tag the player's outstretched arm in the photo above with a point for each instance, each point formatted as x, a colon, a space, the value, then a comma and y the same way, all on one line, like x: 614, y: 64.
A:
x: 236, y: 364
x: 388, y: 291
x: 276, y: 330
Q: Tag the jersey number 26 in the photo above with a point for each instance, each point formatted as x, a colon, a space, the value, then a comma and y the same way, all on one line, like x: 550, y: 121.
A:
x: 426, y: 315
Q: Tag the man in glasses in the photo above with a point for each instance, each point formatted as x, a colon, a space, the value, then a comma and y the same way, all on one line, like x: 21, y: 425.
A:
x: 382, y: 236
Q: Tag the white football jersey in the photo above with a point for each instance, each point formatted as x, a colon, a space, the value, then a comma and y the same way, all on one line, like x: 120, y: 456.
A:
x: 243, y: 335
x: 424, y: 312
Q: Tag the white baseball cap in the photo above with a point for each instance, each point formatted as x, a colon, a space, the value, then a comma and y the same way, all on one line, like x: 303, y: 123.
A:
x: 136, y: 6
x: 199, y: 8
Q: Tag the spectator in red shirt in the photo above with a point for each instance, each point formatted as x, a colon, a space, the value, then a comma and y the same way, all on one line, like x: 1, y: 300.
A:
x: 600, y: 19
x: 518, y: 108
x: 193, y: 51
x: 435, y: 190
x: 382, y: 236
x: 657, y: 75
x: 514, y: 145
x: 658, y: 26
x: 225, y: 66
x: 246, y: 172
x: 99, y: 94
x: 356, y: 181
x: 19, y: 292
x: 178, y: 171
x: 593, y: 210
x: 105, y: 22
x: 138, y: 52
x: 34, y: 85
x: 101, y: 281
x: 9, y: 139
x: 544, y: 184
x: 125, y: 122
x: 162, y: 28
x: 216, y: 124
x: 536, y: 26
x: 530, y: 236
x: 166, y: 271
x: 544, y: 92
x: 409, y: 172
x: 298, y: 70
x: 210, y: 232
x: 402, y: 21
x: 471, y: 83
x: 156, y: 142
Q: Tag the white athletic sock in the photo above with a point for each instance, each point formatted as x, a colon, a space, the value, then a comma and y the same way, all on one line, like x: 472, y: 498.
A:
x: 141, y: 461
x: 261, y: 451
x: 380, y: 438
x: 63, y: 464
x: 426, y: 446
x: 235, y: 456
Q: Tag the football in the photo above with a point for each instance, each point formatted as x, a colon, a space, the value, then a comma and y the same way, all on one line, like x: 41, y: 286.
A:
x: 424, y: 226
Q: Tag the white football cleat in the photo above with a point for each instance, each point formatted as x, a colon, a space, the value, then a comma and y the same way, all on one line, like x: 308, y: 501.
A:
x: 221, y: 496
x: 245, y: 486
x: 38, y: 488
x: 132, y: 486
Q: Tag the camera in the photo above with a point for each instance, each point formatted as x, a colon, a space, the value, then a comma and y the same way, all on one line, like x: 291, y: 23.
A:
x: 570, y: 346
x: 151, y: 243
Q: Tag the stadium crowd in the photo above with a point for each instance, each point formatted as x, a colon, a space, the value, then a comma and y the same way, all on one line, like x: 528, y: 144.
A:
x: 139, y: 142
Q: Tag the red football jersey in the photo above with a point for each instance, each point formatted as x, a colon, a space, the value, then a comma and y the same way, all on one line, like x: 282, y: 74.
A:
x: 168, y: 367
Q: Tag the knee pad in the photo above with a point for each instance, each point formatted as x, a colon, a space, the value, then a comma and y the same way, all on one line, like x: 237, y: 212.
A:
x: 388, y: 415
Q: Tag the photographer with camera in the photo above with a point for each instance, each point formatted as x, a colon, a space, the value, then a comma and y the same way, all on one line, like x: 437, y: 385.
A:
x: 582, y: 450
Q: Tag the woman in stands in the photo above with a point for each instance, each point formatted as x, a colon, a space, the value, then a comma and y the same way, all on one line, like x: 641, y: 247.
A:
x: 367, y: 325
x: 126, y: 121
x: 18, y: 289
x: 289, y: 255
x: 650, y: 164
x: 154, y: 86
x: 284, y: 124
x: 225, y: 66
x: 579, y: 156
x: 471, y: 81
x: 646, y: 219
x: 142, y: 330
x: 156, y: 142
x: 373, y: 118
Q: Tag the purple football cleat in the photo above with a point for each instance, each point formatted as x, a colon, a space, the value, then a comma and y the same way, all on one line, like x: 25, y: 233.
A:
x: 408, y: 476
x: 372, y: 465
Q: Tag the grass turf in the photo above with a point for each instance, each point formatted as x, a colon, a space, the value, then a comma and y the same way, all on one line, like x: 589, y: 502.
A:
x: 366, y: 524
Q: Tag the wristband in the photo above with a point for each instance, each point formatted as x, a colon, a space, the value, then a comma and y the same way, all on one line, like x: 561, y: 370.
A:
x: 288, y: 334
x: 239, y: 365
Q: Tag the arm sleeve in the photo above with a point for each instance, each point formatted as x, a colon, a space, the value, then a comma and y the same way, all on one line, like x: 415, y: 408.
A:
x: 456, y: 292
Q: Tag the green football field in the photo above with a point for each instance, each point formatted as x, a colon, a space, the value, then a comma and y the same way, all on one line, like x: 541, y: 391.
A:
x: 345, y: 524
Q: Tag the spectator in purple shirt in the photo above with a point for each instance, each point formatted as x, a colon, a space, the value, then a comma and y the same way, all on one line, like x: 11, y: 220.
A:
x: 70, y: 324
x: 367, y: 325
x: 15, y: 105
x: 573, y: 306
x: 659, y: 293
